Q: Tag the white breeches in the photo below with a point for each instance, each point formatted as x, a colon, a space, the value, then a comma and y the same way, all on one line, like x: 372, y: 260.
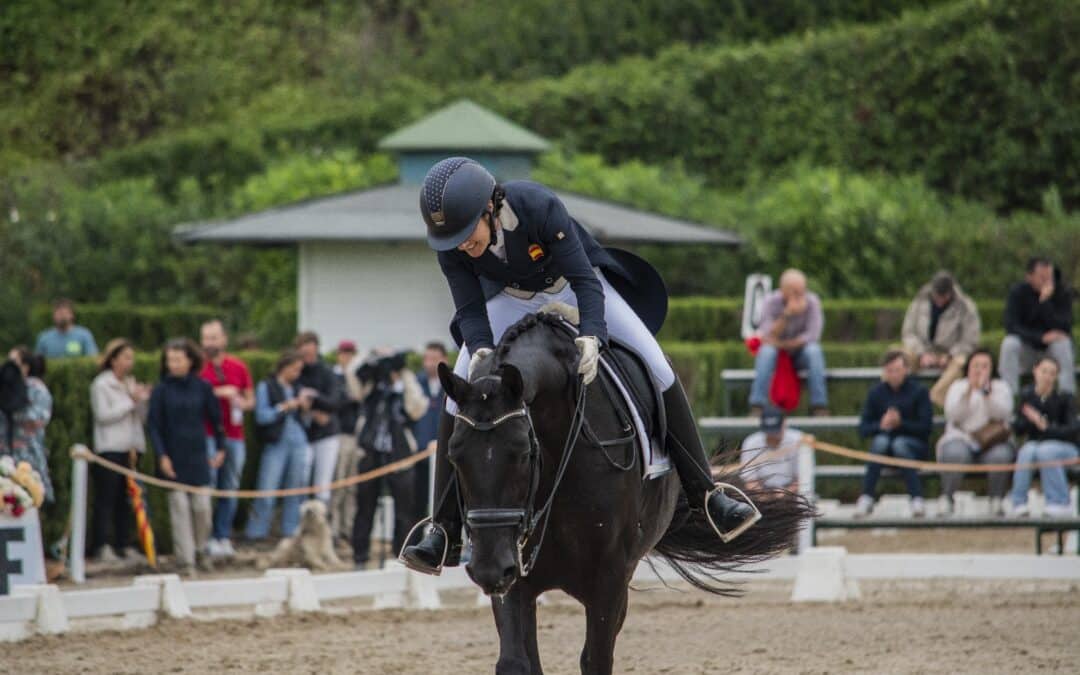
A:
x: 504, y: 310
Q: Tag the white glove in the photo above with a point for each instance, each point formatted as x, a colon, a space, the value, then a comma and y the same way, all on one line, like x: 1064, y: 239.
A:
x: 589, y: 349
x: 478, y: 356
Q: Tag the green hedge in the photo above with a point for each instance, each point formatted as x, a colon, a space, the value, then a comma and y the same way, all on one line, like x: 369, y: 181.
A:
x: 979, y: 96
x: 148, y: 327
x: 702, y: 319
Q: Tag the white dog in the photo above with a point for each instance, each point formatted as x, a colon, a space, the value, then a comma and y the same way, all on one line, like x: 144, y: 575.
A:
x: 312, y: 546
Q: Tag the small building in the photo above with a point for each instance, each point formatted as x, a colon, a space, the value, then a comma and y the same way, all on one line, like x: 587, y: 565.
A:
x: 365, y: 270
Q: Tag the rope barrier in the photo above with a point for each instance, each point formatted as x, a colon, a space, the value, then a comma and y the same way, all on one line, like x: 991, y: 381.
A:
x: 82, y: 452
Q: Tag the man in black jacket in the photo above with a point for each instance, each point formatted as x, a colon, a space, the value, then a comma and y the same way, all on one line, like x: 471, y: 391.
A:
x: 1038, y: 322
x: 322, y: 432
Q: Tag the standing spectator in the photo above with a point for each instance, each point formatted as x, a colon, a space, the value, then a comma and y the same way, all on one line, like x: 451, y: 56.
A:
x: 23, y: 434
x: 231, y: 380
x: 1048, y: 419
x: 343, y: 500
x: 770, y: 457
x: 119, y: 404
x: 283, y: 464
x: 1038, y: 322
x: 977, y: 413
x: 65, y: 338
x: 181, y: 405
x: 898, y: 417
x: 792, y: 321
x: 426, y: 428
x: 392, y: 401
x: 941, y: 328
x: 323, y: 427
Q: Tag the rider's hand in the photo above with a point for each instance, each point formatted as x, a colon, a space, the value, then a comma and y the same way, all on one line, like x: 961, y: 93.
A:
x: 478, y: 356
x: 589, y: 349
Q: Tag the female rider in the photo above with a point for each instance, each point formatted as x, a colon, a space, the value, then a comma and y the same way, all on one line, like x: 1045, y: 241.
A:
x: 506, y: 251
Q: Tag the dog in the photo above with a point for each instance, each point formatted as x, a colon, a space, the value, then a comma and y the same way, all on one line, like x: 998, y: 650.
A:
x: 312, y: 546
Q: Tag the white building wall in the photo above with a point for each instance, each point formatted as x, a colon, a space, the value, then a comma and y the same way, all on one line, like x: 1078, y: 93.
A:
x: 377, y: 294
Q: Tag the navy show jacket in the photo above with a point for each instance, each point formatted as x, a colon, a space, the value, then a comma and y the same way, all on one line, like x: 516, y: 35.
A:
x: 543, y: 243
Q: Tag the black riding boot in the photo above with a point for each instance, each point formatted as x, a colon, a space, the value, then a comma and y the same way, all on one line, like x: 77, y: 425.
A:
x: 444, y: 534
x: 729, y: 517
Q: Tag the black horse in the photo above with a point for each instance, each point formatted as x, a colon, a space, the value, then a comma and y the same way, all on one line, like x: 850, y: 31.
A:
x: 547, y: 507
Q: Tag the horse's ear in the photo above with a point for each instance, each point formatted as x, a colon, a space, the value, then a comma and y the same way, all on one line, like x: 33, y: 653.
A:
x: 454, y: 386
x: 512, y: 382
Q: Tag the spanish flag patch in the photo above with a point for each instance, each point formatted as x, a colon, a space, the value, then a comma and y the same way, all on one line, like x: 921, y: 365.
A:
x: 535, y: 252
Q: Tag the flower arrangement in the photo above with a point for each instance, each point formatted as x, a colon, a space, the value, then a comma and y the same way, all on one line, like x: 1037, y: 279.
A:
x: 20, y: 487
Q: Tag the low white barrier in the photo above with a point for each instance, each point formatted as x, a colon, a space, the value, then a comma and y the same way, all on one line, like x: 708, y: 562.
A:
x: 824, y: 574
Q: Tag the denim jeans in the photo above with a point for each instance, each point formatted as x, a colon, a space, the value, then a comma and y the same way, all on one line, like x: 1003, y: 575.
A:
x: 226, y: 477
x: 810, y: 358
x: 904, y: 447
x: 1055, y: 483
x: 283, y: 465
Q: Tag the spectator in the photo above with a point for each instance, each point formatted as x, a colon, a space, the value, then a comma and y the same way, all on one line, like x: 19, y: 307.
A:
x: 426, y: 428
x: 119, y: 404
x: 1048, y: 419
x: 343, y: 500
x: 392, y: 401
x: 23, y: 434
x: 792, y: 321
x: 65, y: 338
x: 977, y: 413
x: 231, y: 381
x: 898, y: 417
x: 284, y: 462
x: 181, y: 405
x: 941, y: 328
x: 1038, y: 322
x: 770, y: 457
x: 323, y: 426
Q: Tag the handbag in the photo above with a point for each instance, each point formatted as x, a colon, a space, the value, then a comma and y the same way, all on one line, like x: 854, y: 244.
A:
x: 991, y: 434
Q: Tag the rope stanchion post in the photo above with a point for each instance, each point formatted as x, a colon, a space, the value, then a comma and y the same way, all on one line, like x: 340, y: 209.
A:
x: 807, y: 489
x: 77, y: 542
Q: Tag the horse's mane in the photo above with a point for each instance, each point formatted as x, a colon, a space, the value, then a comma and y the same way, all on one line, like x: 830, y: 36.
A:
x: 563, y: 350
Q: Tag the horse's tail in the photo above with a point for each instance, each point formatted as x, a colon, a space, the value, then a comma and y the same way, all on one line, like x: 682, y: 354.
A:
x: 692, y: 548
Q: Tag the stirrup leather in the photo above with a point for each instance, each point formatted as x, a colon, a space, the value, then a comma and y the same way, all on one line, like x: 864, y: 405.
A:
x: 746, y: 524
x: 437, y: 570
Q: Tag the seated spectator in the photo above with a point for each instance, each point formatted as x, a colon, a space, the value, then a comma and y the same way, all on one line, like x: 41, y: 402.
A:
x: 941, y: 328
x: 1038, y: 322
x: 119, y: 404
x: 181, y: 405
x: 322, y: 424
x: 1048, y: 419
x: 284, y: 461
x: 898, y: 417
x: 65, y: 339
x: 23, y: 434
x: 770, y: 457
x: 978, y: 409
x: 792, y: 322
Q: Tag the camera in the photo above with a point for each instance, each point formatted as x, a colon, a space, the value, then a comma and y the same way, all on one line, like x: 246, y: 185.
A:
x: 378, y: 370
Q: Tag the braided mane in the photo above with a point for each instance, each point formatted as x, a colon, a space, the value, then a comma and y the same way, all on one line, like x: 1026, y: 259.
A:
x: 562, y: 348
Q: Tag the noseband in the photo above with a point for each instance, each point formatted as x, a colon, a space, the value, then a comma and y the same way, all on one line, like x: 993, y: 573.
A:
x: 527, y: 519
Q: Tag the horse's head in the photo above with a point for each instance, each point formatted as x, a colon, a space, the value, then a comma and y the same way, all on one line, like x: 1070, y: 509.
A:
x: 495, y: 452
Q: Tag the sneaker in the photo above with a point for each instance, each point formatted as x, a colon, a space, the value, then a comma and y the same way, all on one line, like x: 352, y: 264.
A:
x: 945, y: 506
x: 227, y: 550
x: 132, y: 554
x: 997, y: 507
x: 1021, y: 510
x: 819, y: 411
x: 105, y: 554
x: 864, y: 506
x: 213, y: 548
x: 1057, y: 511
x: 204, y: 563
x: 918, y: 507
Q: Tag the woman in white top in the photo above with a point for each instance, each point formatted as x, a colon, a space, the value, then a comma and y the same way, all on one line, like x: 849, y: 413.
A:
x: 970, y: 404
x: 119, y: 404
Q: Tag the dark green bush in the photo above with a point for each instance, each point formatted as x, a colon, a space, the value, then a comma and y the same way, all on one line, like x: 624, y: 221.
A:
x: 147, y: 326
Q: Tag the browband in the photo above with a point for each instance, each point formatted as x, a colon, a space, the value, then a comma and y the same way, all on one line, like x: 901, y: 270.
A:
x: 488, y: 426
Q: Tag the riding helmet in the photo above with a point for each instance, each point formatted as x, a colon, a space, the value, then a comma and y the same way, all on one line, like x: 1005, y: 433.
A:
x: 455, y: 194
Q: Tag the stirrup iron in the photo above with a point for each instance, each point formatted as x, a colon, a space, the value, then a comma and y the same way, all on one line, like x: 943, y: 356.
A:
x: 728, y: 536
x: 437, y: 570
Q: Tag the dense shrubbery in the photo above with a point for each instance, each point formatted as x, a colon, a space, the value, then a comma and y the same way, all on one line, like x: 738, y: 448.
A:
x: 979, y: 97
x: 147, y: 326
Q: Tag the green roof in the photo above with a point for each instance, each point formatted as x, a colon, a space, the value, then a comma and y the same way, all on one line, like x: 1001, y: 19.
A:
x: 464, y: 126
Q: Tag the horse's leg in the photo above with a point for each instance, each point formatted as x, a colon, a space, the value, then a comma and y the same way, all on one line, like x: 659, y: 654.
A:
x: 605, y: 611
x: 515, y: 619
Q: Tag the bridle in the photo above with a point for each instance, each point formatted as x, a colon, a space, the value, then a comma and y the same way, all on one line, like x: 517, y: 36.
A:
x: 529, y: 522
